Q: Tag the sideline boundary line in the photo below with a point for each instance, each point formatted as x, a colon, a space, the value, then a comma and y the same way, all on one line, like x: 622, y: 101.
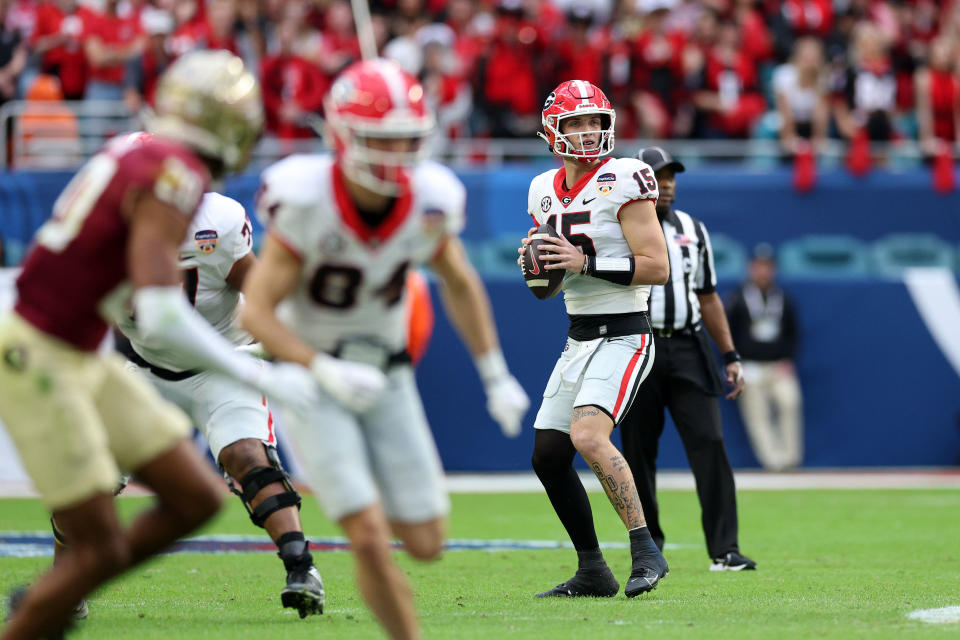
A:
x: 746, y: 480
x: 18, y: 544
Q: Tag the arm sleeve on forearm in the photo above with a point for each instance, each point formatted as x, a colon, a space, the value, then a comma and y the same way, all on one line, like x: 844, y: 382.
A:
x: 164, y: 317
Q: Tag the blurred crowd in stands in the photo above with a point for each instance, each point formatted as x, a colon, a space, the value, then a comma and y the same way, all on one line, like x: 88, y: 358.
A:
x: 793, y: 69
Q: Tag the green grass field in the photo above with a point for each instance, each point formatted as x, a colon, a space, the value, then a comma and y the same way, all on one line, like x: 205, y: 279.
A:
x: 835, y: 564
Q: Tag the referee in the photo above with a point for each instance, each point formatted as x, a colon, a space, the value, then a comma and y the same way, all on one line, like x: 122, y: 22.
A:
x: 684, y: 378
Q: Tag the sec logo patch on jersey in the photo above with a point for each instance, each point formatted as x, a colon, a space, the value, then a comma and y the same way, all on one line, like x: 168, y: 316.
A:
x: 545, y: 204
x: 606, y: 182
x: 206, y: 240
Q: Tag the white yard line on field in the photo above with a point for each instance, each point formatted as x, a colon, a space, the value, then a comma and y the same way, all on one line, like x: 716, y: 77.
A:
x: 751, y: 480
x: 746, y: 480
x: 943, y: 615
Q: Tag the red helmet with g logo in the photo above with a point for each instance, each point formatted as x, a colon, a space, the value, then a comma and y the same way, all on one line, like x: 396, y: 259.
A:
x: 577, y: 98
x: 376, y: 99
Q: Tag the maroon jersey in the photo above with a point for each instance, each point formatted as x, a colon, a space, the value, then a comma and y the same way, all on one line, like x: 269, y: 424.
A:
x: 80, y: 254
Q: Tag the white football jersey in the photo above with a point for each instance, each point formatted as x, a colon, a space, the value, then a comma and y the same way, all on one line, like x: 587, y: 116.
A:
x: 352, y: 279
x: 219, y: 235
x: 588, y: 215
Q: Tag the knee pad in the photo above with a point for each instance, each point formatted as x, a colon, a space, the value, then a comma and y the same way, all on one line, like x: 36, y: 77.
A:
x: 253, y: 482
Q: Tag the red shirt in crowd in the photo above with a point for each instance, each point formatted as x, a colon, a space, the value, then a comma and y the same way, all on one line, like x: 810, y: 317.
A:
x: 755, y: 37
x: 658, y: 63
x: 807, y: 17
x: 287, y: 78
x: 735, y: 82
x: 510, y: 80
x: 944, y: 94
x: 67, y: 60
x: 197, y: 34
x: 111, y: 30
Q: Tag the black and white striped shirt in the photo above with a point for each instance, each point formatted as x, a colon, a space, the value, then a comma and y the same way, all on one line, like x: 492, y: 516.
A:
x: 675, y: 305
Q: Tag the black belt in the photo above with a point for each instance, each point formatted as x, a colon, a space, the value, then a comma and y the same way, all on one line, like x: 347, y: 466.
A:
x: 372, y: 353
x: 676, y: 333
x: 124, y: 347
x: 591, y: 327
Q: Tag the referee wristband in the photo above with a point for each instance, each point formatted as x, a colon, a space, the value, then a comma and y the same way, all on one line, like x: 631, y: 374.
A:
x: 730, y: 357
x: 615, y: 270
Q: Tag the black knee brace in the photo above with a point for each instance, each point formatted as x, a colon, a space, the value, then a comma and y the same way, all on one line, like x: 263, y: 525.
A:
x: 253, y: 482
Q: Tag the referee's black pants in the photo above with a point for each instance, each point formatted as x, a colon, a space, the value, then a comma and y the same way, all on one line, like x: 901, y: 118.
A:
x: 678, y: 382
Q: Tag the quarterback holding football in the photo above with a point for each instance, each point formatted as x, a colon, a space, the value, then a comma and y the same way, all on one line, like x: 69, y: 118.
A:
x: 596, y: 224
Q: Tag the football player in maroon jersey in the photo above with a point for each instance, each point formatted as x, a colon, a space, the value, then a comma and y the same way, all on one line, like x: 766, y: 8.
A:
x: 77, y: 416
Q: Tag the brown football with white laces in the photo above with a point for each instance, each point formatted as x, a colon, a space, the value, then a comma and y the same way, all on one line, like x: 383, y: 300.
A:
x: 544, y: 283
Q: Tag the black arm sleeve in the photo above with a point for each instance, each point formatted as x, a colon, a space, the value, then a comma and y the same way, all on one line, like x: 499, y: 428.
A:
x: 615, y: 270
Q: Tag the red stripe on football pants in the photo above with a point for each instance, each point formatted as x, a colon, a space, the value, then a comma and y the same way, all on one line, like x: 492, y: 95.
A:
x: 625, y: 382
x: 271, y: 436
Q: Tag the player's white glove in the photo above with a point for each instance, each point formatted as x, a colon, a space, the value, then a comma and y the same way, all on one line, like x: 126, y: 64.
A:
x: 507, y: 402
x: 353, y: 384
x: 289, y: 385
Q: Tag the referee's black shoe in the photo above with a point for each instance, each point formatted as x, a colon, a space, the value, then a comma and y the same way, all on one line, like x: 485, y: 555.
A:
x: 733, y: 561
x: 586, y: 584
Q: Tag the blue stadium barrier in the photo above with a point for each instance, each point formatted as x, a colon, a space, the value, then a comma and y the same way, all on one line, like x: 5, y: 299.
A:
x: 898, y: 251
x: 824, y: 256
x: 729, y: 256
x: 749, y: 207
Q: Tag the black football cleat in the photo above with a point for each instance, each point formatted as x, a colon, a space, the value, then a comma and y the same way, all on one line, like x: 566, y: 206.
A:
x: 646, y: 574
x: 733, y: 561
x: 586, y: 584
x: 304, y: 591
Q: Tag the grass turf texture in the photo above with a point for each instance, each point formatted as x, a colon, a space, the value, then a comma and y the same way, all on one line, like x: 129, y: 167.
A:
x: 835, y: 564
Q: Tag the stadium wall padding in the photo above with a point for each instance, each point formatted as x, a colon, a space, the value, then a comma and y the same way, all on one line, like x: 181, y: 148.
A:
x: 751, y: 207
x: 877, y: 389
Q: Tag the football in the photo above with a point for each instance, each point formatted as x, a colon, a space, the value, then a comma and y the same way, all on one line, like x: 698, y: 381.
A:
x: 544, y: 283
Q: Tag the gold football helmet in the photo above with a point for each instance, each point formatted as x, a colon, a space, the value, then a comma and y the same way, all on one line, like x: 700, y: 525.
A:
x: 210, y: 102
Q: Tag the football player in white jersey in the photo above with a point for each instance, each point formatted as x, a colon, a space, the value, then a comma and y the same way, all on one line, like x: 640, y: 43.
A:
x: 236, y: 421
x: 613, y: 249
x: 343, y: 231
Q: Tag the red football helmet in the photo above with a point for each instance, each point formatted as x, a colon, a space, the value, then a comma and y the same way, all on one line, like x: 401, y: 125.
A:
x: 577, y: 98
x: 376, y: 100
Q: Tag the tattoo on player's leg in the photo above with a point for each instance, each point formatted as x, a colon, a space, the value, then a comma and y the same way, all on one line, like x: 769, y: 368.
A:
x: 581, y: 412
x: 628, y: 494
x: 609, y: 486
x: 618, y: 463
